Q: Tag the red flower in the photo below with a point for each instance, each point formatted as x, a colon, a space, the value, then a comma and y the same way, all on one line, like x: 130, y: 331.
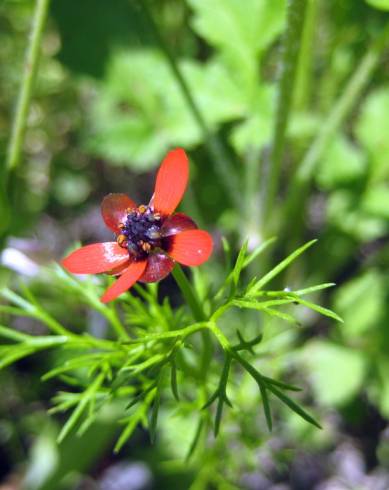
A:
x: 149, y: 238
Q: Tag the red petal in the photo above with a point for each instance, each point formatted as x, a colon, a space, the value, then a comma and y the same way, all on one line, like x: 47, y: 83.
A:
x: 192, y: 247
x: 118, y: 271
x: 113, y: 210
x: 172, y: 179
x: 158, y: 267
x: 96, y: 258
x: 176, y: 224
x: 125, y: 281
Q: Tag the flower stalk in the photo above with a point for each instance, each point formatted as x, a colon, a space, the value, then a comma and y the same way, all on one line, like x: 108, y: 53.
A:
x: 198, y: 313
x: 188, y: 293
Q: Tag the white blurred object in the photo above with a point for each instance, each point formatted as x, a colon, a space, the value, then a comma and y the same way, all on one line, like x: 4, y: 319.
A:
x: 127, y: 476
x: 19, y: 262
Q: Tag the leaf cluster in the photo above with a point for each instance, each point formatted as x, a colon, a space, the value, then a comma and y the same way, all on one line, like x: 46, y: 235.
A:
x: 153, y: 353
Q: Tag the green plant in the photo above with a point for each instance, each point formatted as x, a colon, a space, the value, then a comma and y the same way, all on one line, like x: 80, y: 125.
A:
x: 148, y: 359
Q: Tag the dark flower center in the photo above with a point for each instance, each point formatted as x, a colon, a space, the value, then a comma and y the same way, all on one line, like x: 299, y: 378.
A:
x: 141, y: 232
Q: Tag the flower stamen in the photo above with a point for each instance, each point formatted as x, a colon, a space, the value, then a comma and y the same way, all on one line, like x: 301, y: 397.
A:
x: 122, y: 240
x: 141, y: 231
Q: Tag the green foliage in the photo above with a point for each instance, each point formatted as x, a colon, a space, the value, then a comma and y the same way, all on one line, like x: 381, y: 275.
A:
x: 342, y: 165
x: 148, y: 365
x: 123, y: 122
x: 339, y: 370
x: 361, y: 302
x: 113, y: 92
x: 370, y: 129
x: 51, y: 464
x: 251, y: 27
x: 357, y: 177
x: 247, y: 37
x: 379, y: 4
x: 123, y: 126
x: 336, y: 372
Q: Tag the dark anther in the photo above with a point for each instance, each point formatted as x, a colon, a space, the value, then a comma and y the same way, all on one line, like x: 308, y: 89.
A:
x: 141, y: 231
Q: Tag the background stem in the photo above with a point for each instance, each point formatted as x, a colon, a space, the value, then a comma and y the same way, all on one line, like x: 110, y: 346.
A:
x: 26, y: 87
x: 302, y: 93
x: 299, y: 185
x: 223, y: 165
x: 291, y: 47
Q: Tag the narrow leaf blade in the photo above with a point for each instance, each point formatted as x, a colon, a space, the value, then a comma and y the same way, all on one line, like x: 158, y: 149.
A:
x: 280, y: 267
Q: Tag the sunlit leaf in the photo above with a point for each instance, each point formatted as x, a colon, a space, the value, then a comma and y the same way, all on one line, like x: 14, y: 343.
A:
x: 123, y: 128
x: 342, y: 164
x: 371, y: 131
x: 336, y: 372
x: 379, y: 4
x: 361, y: 301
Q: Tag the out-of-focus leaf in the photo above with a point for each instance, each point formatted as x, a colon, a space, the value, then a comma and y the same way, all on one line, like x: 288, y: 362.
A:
x: 195, y: 439
x: 372, y: 131
x: 361, y: 303
x: 376, y: 201
x: 251, y: 26
x: 344, y: 212
x: 342, y: 164
x: 50, y: 462
x: 379, y: 392
x: 140, y: 112
x: 178, y: 433
x: 304, y: 125
x: 379, y: 4
x: 43, y: 460
x: 71, y: 189
x: 337, y: 373
x: 255, y: 131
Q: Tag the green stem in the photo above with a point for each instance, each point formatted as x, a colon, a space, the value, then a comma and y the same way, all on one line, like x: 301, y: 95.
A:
x: 24, y: 99
x: 199, y: 315
x: 189, y: 294
x: 182, y: 333
x: 113, y: 317
x: 342, y: 108
x: 291, y: 48
x: 223, y: 165
x: 222, y: 339
x: 299, y: 185
x: 304, y: 70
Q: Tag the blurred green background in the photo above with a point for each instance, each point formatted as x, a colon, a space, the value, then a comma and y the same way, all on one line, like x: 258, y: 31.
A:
x: 119, y: 84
